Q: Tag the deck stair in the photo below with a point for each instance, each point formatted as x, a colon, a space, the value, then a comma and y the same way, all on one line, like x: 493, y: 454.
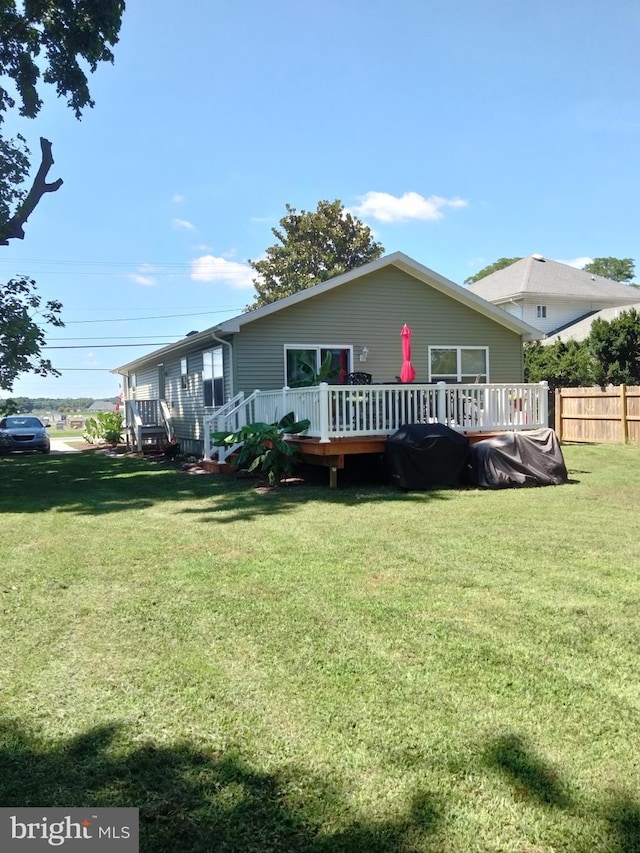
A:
x: 148, y: 425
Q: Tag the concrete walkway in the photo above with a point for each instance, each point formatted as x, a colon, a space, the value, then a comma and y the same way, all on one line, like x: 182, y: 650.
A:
x: 63, y: 445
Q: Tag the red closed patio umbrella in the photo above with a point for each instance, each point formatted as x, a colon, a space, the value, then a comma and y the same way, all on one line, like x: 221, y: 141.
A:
x: 407, y: 374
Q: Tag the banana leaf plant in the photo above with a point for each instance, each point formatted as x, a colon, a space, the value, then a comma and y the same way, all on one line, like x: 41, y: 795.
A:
x: 263, y: 446
x: 308, y: 375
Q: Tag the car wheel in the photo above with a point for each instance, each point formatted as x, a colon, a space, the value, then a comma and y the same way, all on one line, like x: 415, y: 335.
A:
x: 46, y: 450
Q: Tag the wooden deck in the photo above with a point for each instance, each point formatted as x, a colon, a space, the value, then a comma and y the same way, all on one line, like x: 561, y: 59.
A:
x: 331, y: 454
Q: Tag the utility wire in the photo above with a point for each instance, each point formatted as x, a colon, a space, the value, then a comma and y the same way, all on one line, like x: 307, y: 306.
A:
x: 117, y: 338
x: 156, y: 317
x: 105, y: 346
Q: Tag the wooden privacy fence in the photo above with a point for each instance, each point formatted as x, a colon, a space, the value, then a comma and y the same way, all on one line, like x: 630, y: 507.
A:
x: 598, y: 415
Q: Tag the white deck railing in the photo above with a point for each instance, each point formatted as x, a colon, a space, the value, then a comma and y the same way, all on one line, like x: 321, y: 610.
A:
x: 340, y: 411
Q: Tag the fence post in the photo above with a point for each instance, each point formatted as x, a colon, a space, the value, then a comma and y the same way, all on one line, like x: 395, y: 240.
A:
x: 623, y: 413
x: 544, y: 403
x: 558, y: 412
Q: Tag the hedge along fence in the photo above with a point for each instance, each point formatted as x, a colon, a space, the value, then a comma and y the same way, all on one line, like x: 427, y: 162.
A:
x: 610, y: 415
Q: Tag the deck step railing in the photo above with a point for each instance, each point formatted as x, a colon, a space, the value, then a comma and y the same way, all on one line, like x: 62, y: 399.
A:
x: 147, y: 423
x: 228, y: 418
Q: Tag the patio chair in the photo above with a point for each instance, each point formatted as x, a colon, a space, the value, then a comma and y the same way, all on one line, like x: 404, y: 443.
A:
x: 358, y: 378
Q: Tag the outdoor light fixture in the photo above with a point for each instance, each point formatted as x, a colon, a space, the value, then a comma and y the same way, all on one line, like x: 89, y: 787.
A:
x: 364, y: 353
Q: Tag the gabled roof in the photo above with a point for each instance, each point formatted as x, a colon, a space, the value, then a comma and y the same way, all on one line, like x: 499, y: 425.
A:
x: 538, y: 276
x: 101, y: 406
x: 580, y: 330
x: 398, y: 259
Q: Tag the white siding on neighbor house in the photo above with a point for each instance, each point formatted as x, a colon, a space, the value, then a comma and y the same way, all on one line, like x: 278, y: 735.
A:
x: 559, y: 311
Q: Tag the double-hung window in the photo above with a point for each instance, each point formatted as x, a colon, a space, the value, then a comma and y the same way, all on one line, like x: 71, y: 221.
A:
x: 213, y: 377
x: 459, y: 364
x: 306, y: 365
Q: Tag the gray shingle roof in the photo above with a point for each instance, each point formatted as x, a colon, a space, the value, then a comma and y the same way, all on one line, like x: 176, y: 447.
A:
x: 538, y: 276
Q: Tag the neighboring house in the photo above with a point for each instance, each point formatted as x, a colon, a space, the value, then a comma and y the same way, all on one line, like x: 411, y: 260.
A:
x: 102, y: 406
x: 550, y: 295
x: 357, y: 318
x: 580, y: 330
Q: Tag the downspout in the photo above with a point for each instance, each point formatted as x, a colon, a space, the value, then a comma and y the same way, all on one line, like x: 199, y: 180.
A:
x: 227, y: 344
x: 521, y: 307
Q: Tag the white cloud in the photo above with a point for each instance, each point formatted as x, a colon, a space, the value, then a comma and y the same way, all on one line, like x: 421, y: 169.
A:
x: 578, y: 263
x: 178, y: 198
x: 142, y: 276
x: 182, y: 223
x: 210, y: 268
x: 389, y: 208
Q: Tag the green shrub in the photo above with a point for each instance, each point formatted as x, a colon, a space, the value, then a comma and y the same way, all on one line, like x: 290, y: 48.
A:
x: 105, y: 426
x: 264, y: 447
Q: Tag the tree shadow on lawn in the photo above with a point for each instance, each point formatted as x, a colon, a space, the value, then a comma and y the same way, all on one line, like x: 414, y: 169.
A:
x: 190, y: 801
x: 536, y: 781
x: 97, y: 483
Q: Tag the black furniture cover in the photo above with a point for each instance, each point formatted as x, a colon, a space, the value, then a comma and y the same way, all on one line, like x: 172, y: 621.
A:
x: 426, y: 456
x: 532, y: 458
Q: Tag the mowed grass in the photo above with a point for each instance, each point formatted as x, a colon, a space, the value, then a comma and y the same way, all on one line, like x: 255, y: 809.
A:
x: 311, y: 670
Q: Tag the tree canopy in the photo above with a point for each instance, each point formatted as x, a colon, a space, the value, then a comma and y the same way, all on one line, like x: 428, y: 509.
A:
x: 562, y: 364
x: 615, y: 348
x: 313, y: 246
x: 610, y: 355
x: 500, y: 264
x: 54, y: 42
x: 617, y: 269
x: 21, y: 338
x: 51, y: 42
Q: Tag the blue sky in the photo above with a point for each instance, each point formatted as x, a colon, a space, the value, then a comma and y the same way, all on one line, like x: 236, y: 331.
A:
x: 461, y: 132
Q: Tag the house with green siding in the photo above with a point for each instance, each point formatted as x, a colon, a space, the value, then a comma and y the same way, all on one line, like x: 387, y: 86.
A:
x: 355, y: 320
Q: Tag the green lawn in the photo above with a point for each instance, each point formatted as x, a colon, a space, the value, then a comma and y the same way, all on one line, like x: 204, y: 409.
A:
x: 314, y: 670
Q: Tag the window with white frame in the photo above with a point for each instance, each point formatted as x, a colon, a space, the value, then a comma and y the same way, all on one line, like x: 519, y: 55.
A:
x: 459, y: 364
x: 541, y: 312
x: 305, y: 365
x: 213, y: 377
x: 184, y: 372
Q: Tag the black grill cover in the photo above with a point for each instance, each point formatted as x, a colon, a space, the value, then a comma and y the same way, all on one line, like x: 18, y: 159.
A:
x: 513, y: 459
x: 426, y: 456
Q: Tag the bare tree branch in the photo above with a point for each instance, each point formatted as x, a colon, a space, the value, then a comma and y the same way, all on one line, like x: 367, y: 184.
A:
x: 14, y: 227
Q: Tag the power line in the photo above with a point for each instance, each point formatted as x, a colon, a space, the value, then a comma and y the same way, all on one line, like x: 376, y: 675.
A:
x: 117, y: 338
x: 106, y: 346
x: 157, y: 317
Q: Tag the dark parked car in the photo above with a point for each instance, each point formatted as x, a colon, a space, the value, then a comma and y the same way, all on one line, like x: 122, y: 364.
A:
x: 23, y: 432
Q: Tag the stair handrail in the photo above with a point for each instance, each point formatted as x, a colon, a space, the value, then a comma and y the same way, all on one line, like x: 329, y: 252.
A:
x: 136, y: 426
x: 213, y: 422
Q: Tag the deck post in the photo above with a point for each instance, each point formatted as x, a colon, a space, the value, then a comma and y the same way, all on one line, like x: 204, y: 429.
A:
x: 324, y: 412
x: 207, y: 438
x: 442, y: 402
